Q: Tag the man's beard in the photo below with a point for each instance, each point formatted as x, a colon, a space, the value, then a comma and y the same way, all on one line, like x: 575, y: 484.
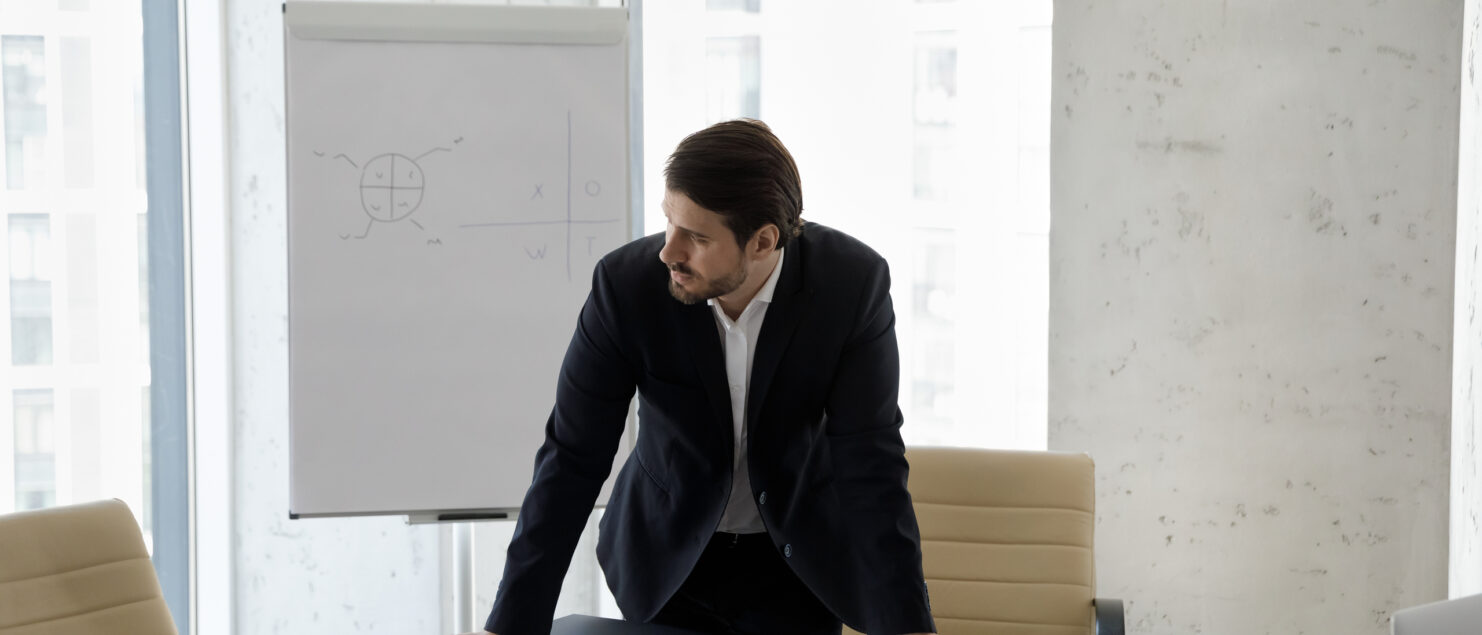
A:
x: 714, y: 289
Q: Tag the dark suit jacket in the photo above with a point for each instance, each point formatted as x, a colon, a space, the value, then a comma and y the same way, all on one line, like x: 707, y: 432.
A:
x: 826, y: 458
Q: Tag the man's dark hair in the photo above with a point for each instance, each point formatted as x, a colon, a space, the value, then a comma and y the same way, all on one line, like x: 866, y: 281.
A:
x: 740, y: 170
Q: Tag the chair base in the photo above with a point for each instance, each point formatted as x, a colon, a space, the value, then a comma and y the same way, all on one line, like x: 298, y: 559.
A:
x: 1109, y: 617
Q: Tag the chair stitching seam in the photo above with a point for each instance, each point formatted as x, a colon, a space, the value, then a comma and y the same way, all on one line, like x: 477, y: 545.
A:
x: 69, y: 571
x: 89, y: 612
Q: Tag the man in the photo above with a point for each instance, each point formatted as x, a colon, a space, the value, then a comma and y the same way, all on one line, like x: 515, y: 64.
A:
x: 767, y: 492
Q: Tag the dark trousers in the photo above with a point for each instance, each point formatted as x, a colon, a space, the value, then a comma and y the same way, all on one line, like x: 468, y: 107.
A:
x: 742, y: 586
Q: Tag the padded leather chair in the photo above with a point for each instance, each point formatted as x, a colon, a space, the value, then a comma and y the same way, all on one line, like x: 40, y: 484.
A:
x: 1006, y: 542
x: 78, y: 569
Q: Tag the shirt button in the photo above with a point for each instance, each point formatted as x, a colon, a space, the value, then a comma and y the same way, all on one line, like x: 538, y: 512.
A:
x: 762, y: 500
x: 787, y: 551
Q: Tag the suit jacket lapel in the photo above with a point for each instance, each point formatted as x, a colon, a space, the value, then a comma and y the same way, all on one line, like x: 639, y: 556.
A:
x: 789, y: 302
x: 700, y: 337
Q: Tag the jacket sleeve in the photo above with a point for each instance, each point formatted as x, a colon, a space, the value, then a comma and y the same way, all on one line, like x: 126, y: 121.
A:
x: 863, y: 429
x: 594, y: 390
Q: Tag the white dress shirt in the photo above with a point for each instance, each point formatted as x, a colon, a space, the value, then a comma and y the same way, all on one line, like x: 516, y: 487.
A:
x: 738, y: 340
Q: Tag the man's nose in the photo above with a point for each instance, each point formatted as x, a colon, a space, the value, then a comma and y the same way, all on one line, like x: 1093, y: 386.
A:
x: 670, y: 255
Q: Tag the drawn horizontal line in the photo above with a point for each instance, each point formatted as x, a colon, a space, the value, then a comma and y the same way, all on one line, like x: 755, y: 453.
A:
x: 543, y: 222
x: 394, y: 187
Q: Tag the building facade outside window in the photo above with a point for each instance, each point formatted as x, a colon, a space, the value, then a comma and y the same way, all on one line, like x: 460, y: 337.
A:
x: 30, y: 289
x: 35, y: 450
x: 74, y: 201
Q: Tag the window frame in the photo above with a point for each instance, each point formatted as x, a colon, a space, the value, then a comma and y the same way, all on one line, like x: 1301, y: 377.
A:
x: 169, y: 429
x: 209, y: 316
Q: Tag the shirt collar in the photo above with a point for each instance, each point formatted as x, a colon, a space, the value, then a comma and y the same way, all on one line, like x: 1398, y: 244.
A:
x: 765, y: 295
x: 767, y: 290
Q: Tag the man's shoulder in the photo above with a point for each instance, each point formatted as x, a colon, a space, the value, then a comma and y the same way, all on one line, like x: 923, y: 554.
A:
x: 634, y: 261
x: 643, y: 250
x: 831, y: 243
x: 835, y: 257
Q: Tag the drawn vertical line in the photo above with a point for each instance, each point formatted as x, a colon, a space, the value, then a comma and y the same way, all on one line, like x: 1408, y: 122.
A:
x: 392, y: 210
x: 568, y: 195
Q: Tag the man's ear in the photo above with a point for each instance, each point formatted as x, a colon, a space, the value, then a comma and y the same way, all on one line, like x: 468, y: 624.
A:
x: 764, y: 240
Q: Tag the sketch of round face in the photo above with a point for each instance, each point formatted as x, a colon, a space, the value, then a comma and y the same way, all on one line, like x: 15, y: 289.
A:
x: 391, y: 187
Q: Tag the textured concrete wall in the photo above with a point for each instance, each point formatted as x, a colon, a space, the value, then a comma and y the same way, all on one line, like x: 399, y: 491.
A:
x: 1252, y: 270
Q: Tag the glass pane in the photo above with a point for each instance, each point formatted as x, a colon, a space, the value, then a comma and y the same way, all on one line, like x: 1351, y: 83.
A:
x: 86, y: 433
x: 733, y: 80
x: 77, y: 111
x: 25, y: 6
x: 142, y: 231
x: 749, y: 6
x: 83, y: 293
x: 933, y: 163
x: 933, y: 291
x: 934, y: 111
x: 139, y: 132
x: 35, y: 450
x: 23, y: 73
x: 935, y: 87
x: 30, y: 289
x: 146, y: 513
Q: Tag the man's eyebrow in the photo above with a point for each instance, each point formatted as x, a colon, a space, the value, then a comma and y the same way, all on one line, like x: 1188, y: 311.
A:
x: 686, y: 230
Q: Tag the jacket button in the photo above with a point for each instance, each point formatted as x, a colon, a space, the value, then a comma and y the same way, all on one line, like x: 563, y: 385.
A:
x: 762, y: 500
x: 787, y: 551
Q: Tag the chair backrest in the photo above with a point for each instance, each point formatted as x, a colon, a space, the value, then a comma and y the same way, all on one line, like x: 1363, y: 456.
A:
x: 1458, y: 616
x: 1006, y: 539
x: 78, y: 569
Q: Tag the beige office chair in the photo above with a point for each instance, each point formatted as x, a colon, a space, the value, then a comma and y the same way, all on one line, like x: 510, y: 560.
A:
x: 1006, y: 542
x: 78, y: 569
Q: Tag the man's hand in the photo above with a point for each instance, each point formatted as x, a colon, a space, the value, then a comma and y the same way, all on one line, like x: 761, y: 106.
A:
x: 479, y: 633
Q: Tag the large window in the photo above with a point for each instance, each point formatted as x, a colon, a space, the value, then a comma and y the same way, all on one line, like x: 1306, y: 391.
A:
x: 73, y: 109
x: 74, y: 201
x: 921, y: 128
